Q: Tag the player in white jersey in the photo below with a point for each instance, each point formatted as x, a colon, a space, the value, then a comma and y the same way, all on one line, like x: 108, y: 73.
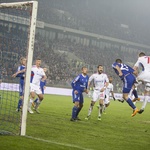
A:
x: 100, y: 82
x: 37, y: 74
x: 108, y: 90
x: 144, y: 76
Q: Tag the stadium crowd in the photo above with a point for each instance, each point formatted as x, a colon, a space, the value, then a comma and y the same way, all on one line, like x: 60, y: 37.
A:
x: 118, y: 21
x: 62, y: 68
x: 100, y: 17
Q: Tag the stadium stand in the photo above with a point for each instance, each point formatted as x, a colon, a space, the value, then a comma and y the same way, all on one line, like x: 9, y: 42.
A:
x: 64, y: 57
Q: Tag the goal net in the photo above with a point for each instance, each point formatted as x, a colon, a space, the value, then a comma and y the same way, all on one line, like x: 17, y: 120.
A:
x: 17, y: 33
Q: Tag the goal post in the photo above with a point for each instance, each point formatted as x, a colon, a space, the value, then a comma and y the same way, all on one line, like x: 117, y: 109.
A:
x: 29, y: 49
x: 29, y: 64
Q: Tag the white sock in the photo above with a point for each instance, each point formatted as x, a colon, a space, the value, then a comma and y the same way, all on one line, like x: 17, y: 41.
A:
x: 134, y: 102
x: 30, y: 103
x: 145, y: 102
x: 90, y: 110
x: 100, y: 110
x: 130, y: 94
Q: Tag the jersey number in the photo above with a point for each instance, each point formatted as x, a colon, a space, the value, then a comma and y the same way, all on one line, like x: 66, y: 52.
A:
x: 124, y: 67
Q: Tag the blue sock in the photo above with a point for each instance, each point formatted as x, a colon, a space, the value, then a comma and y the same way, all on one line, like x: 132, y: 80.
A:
x: 78, y: 110
x: 74, y: 112
x: 36, y: 100
x: 135, y: 93
x: 129, y: 101
x: 19, y: 103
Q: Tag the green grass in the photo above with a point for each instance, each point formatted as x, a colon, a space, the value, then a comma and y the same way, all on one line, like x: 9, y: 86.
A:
x: 116, y: 131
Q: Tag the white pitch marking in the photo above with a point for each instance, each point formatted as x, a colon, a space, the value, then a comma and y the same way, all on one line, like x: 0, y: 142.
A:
x: 57, y: 143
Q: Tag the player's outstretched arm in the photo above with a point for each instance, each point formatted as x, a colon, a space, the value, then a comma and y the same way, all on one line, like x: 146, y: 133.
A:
x: 18, y: 72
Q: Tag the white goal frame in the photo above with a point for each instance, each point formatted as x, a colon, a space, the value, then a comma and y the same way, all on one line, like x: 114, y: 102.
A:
x: 30, y: 49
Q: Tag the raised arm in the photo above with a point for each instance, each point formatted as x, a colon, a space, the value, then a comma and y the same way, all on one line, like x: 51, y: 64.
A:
x: 18, y: 73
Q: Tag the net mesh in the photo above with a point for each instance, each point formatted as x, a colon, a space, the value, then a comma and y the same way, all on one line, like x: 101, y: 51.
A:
x: 14, y: 27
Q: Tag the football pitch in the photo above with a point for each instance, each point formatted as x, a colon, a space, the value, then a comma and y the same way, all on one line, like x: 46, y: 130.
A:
x: 53, y: 130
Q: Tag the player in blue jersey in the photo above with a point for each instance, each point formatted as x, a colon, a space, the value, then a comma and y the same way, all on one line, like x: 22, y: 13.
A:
x: 79, y: 85
x: 42, y: 86
x: 126, y: 74
x: 21, y: 74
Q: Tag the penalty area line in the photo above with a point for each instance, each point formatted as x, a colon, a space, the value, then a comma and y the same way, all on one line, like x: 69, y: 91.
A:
x: 57, y: 143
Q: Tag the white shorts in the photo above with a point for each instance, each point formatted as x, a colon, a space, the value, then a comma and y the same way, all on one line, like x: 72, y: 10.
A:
x: 35, y: 88
x: 106, y: 100
x: 97, y: 95
x: 144, y: 76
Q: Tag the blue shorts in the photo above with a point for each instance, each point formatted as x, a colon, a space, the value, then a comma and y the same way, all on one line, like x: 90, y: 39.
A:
x: 21, y: 89
x: 128, y: 82
x: 77, y: 97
